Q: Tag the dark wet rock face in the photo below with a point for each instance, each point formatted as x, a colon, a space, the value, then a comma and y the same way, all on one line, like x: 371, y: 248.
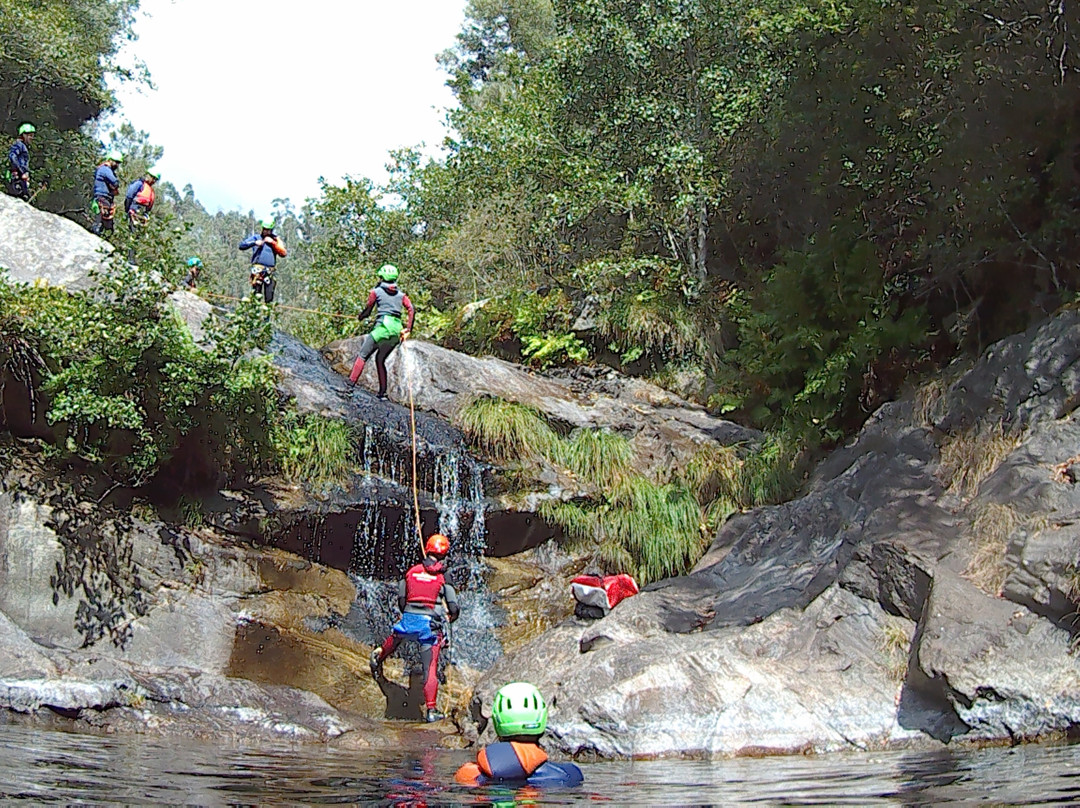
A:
x: 851, y: 617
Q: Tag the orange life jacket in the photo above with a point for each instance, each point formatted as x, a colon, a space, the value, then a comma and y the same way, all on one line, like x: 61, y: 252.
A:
x: 145, y: 197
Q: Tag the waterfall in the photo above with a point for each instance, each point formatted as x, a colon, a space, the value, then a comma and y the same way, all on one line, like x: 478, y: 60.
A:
x: 385, y: 543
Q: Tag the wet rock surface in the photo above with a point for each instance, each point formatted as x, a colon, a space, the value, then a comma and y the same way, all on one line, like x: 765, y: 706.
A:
x: 851, y: 617
x: 664, y: 428
x: 118, y: 622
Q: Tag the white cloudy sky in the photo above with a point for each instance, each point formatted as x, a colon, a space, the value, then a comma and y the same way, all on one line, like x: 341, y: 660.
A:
x: 257, y: 99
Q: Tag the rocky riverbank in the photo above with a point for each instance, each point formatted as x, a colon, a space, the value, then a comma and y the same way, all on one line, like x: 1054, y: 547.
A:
x: 923, y: 590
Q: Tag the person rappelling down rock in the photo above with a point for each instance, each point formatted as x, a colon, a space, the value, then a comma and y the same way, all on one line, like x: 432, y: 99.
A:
x: 520, y: 716
x: 388, y: 302
x: 420, y: 597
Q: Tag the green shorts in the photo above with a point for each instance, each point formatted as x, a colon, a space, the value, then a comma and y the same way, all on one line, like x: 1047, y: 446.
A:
x: 387, y: 329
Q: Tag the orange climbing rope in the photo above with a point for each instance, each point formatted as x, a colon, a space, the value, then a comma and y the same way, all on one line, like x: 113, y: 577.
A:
x: 280, y: 306
x: 415, y: 483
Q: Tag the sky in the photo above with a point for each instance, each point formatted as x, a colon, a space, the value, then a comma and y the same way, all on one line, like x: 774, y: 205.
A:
x: 257, y: 100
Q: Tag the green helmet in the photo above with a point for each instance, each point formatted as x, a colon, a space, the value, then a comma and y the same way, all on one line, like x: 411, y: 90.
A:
x: 153, y: 172
x: 519, y: 709
x: 194, y: 261
x: 388, y: 272
x: 27, y: 129
x: 267, y: 224
x: 115, y: 156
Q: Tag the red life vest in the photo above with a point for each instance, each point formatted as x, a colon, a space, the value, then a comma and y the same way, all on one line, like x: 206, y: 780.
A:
x: 604, y: 592
x: 145, y: 197
x: 423, y: 584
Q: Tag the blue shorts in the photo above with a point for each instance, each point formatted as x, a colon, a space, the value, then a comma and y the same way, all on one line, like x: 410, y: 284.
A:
x: 415, y: 627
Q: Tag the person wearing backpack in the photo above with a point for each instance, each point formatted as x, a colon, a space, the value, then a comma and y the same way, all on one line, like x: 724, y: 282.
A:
x: 265, y: 249
x: 18, y: 167
x: 106, y: 187
x: 388, y: 302
x: 139, y: 199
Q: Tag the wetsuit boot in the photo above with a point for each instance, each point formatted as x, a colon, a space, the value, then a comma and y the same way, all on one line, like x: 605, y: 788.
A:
x: 432, y: 715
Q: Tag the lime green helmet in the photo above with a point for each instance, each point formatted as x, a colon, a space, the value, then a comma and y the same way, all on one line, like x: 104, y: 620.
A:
x: 115, y: 156
x: 267, y: 224
x: 194, y: 261
x: 27, y: 129
x: 153, y: 172
x: 388, y: 272
x: 519, y: 709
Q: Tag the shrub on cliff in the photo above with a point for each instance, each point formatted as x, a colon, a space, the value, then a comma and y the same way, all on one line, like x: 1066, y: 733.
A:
x: 123, y: 384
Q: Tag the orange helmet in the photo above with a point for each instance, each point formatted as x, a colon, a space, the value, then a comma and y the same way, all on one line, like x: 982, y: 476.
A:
x: 437, y: 544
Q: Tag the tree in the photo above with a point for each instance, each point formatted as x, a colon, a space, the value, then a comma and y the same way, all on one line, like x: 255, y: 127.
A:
x: 56, y: 58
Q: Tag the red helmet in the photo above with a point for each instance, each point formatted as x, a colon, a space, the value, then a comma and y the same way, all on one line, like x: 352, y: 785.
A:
x: 437, y: 544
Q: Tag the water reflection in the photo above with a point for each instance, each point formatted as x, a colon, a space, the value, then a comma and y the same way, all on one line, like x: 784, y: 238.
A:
x: 55, y: 767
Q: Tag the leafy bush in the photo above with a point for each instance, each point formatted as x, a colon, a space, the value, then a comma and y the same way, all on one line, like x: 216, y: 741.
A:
x: 313, y: 449
x: 124, y: 382
x: 526, y: 326
x: 821, y: 320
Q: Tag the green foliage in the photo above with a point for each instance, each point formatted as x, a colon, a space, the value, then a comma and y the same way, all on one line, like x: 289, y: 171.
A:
x: 506, y: 431
x: 55, y: 64
x: 596, y: 456
x: 125, y: 383
x: 534, y: 328
x: 645, y: 306
x: 652, y: 531
x: 823, y: 317
x: 313, y: 449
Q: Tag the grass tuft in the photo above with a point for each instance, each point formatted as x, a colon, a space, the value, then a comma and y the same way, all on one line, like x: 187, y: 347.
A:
x: 506, y: 431
x: 596, y: 455
x: 895, y: 643
x: 315, y: 450
x: 970, y: 457
x: 991, y: 530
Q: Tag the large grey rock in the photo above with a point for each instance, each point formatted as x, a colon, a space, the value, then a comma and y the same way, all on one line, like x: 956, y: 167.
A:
x: 30, y: 554
x: 878, y: 543
x: 43, y: 246
x: 1007, y: 672
x: 664, y: 428
x: 815, y: 679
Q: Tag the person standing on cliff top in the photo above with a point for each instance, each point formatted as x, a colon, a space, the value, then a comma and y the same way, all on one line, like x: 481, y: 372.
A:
x: 18, y: 167
x: 106, y: 187
x: 265, y: 248
x: 139, y: 199
x: 388, y: 302
x: 420, y: 594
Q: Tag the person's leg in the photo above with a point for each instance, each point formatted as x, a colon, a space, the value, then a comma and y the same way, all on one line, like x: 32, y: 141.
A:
x: 367, y: 348
x: 383, y: 350
x: 108, y: 212
x: 429, y: 655
x: 380, y: 653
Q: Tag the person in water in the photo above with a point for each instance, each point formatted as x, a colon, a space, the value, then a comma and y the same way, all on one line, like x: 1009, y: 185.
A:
x: 388, y: 302
x: 520, y: 716
x: 419, y: 595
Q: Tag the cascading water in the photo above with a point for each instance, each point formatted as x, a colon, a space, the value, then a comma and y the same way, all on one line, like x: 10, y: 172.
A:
x: 454, y: 483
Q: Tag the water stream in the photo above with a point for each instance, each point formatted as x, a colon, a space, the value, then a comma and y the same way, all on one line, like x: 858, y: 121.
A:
x: 55, y: 767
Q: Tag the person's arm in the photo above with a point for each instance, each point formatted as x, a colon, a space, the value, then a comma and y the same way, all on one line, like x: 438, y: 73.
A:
x: 276, y: 245
x: 409, y: 308
x: 112, y: 182
x: 132, y: 191
x: 249, y: 242
x: 369, y: 307
x: 449, y: 594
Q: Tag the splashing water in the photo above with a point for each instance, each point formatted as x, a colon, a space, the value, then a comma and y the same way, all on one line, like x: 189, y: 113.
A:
x: 457, y: 493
